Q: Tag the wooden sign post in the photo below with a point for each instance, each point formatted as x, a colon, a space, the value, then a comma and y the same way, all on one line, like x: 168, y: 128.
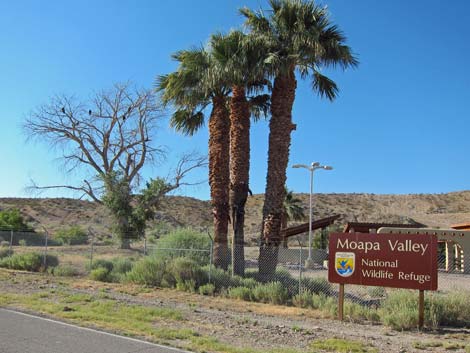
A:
x: 384, y: 260
x: 341, y: 302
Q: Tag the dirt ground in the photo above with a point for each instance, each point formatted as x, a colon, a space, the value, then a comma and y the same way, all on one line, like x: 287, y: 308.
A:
x: 239, y: 323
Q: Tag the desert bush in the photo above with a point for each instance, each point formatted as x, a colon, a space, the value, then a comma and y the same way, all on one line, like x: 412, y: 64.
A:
x: 22, y: 242
x: 73, y: 235
x: 149, y: 271
x: 12, y: 220
x: 29, y: 262
x: 4, y: 243
x: 100, y: 274
x: 184, y: 239
x: 273, y: 292
x: 5, y: 252
x: 357, y: 312
x: 122, y: 265
x: 100, y: 263
x: 400, y: 310
x: 220, y: 278
x: 207, y: 289
x: 449, y: 309
x: 187, y: 273
x: 303, y: 300
x: 317, y: 285
x: 64, y: 271
x: 242, y: 293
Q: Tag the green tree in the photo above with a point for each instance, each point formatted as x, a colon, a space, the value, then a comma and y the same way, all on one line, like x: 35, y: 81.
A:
x: 293, y: 210
x: 12, y: 219
x: 198, y: 83
x: 299, y: 36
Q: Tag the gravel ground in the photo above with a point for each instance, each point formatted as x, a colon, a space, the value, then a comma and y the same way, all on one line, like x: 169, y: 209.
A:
x: 240, y: 323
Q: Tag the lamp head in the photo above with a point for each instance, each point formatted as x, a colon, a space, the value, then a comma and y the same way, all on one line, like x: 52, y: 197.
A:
x: 327, y: 167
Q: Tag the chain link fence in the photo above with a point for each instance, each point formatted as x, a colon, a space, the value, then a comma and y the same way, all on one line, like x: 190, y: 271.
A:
x: 294, y: 271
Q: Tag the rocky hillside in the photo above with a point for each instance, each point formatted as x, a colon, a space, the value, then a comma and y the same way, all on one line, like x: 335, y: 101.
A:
x: 435, y: 210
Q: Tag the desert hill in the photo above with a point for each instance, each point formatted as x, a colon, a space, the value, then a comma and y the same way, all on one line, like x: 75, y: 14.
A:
x: 434, y: 210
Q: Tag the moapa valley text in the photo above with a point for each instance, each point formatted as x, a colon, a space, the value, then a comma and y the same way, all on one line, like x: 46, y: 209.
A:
x: 395, y: 245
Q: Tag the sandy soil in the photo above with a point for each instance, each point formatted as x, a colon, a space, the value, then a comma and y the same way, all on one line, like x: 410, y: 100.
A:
x: 240, y: 323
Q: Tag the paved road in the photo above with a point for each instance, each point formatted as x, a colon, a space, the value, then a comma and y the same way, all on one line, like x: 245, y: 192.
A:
x: 22, y: 333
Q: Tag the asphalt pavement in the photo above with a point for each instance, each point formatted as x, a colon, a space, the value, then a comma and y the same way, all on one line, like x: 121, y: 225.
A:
x: 23, y: 333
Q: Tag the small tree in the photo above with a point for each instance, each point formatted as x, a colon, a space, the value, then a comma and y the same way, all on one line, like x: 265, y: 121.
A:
x: 110, y: 137
x: 12, y: 220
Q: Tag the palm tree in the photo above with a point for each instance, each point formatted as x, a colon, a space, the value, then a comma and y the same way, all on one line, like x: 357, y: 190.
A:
x: 240, y: 56
x: 300, y: 37
x: 196, y: 84
x: 292, y: 211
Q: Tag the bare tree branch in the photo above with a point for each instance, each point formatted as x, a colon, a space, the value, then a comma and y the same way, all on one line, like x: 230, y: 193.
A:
x: 109, y: 133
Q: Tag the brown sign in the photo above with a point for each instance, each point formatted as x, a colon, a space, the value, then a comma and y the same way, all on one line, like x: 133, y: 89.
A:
x: 386, y: 260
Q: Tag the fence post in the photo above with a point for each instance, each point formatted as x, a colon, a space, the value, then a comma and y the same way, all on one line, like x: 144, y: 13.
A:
x: 45, y: 248
x: 11, y: 243
x: 211, y: 254
x: 300, y: 266
x: 145, y: 245
x: 92, y: 245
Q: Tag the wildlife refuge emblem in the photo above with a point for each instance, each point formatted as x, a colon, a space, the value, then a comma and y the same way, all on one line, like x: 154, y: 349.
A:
x: 345, y: 263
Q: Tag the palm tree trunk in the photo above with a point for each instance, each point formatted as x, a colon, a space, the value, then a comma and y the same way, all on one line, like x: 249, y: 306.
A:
x: 280, y: 127
x: 219, y: 178
x: 239, y: 173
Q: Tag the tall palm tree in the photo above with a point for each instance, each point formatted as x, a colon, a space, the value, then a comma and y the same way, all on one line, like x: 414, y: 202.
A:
x: 196, y: 84
x: 300, y: 37
x: 240, y: 56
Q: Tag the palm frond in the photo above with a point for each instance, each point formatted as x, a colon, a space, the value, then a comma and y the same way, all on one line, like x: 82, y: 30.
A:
x: 324, y: 86
x: 187, y: 121
x: 260, y: 106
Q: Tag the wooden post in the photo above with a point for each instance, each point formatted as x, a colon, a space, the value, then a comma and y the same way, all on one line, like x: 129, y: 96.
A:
x: 341, y: 302
x: 421, y: 310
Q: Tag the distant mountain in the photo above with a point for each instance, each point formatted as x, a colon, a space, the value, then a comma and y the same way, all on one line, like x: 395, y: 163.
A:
x: 434, y: 210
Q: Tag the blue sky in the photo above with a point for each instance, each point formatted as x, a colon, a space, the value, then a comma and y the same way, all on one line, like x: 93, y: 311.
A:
x: 400, y: 125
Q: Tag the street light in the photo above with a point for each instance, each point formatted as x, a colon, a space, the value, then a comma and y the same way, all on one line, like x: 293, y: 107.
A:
x: 312, y: 167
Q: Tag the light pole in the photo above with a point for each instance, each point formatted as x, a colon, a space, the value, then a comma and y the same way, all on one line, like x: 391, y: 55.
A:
x: 312, y: 167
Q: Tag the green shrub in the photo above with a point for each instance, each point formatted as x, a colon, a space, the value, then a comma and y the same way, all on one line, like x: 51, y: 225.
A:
x: 5, y: 252
x: 220, y: 278
x: 4, y: 244
x: 64, y: 271
x: 450, y: 309
x: 22, y: 242
x: 303, y: 300
x: 242, y: 293
x: 400, y: 310
x: 100, y: 263
x: 273, y: 292
x: 317, y: 285
x: 121, y: 265
x: 184, y: 239
x: 187, y: 273
x: 356, y: 312
x: 73, y: 235
x: 207, y: 289
x: 100, y: 274
x: 248, y: 282
x: 149, y: 271
x: 29, y: 262
x: 12, y: 219
x: 325, y: 303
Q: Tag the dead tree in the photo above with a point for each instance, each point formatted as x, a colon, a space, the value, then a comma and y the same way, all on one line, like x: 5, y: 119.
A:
x: 110, y: 138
